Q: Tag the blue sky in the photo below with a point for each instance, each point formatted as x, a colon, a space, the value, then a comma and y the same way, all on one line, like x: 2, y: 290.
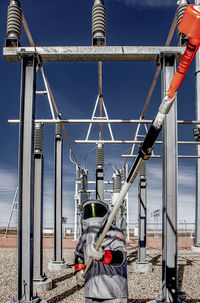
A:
x: 75, y: 88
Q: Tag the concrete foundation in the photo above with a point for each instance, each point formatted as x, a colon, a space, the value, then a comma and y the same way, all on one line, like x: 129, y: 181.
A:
x: 58, y: 266
x: 34, y: 300
x: 42, y: 286
x: 159, y: 300
x: 195, y: 249
x: 142, y: 267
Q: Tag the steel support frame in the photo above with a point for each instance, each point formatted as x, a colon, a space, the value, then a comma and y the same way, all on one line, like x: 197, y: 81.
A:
x: 169, y: 231
x: 38, y: 219
x: 100, y: 183
x: 76, y: 204
x: 89, y: 53
x: 197, y: 202
x: 58, y: 199
x: 142, y: 203
x: 26, y: 178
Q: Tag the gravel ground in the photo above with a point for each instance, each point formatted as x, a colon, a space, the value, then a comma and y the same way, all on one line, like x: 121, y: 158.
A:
x: 143, y: 287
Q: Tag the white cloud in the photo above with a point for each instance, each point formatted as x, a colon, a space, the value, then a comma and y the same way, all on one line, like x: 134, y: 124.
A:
x: 186, y: 176
x: 8, y: 179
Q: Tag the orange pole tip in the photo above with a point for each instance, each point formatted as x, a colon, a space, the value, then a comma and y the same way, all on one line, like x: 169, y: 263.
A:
x: 190, y: 23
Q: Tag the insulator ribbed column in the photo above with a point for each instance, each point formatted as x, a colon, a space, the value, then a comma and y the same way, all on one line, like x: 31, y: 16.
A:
x: 58, y: 130
x: 100, y: 172
x: 116, y: 181
x: 100, y: 156
x: 14, y: 23
x: 143, y: 171
x: 38, y: 138
x: 182, y: 4
x: 98, y: 23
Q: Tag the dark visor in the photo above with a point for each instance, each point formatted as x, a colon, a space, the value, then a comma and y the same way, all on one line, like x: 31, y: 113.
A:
x: 93, y: 210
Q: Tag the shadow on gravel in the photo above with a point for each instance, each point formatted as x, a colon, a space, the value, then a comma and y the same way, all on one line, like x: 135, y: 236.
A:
x: 151, y: 299
x: 60, y: 279
x: 64, y: 295
x: 181, y: 269
x: 132, y: 257
x: 140, y: 300
x: 155, y: 260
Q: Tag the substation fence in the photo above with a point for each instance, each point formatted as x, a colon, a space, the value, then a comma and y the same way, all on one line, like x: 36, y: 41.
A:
x: 185, y: 229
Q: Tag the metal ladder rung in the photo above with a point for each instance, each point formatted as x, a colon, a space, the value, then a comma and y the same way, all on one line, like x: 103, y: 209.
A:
x: 42, y: 92
x: 100, y: 118
x: 141, y: 136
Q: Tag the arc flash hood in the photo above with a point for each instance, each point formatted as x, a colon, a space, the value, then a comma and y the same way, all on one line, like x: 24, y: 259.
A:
x: 94, y: 215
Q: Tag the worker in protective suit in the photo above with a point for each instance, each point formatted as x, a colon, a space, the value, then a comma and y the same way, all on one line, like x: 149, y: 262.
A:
x: 106, y: 280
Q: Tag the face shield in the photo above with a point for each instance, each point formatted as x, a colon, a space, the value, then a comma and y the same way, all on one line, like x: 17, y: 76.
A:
x: 94, y: 210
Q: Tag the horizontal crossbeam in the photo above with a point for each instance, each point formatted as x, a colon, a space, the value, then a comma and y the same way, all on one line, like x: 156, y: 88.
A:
x: 130, y: 142
x: 90, y: 53
x: 111, y: 121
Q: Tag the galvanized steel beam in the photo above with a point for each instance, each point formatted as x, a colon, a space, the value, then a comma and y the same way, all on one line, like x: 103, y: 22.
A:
x: 142, y: 210
x: 169, y: 231
x: 97, y: 121
x: 58, y: 196
x: 90, y: 53
x: 38, y: 219
x: 26, y: 179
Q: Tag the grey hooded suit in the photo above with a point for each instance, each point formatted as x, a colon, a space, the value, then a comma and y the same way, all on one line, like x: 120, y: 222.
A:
x: 103, y: 282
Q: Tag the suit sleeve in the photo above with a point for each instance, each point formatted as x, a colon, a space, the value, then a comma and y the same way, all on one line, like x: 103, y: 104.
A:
x: 117, y: 255
x: 114, y: 257
x: 79, y: 256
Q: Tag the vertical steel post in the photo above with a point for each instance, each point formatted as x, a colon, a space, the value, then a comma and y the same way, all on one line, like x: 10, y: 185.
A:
x: 38, y: 204
x: 100, y: 172
x: 58, y: 195
x: 127, y: 206
x: 76, y: 202
x: 26, y: 178
x: 197, y: 202
x: 116, y: 178
x: 169, y: 232
x: 142, y: 201
x: 83, y: 189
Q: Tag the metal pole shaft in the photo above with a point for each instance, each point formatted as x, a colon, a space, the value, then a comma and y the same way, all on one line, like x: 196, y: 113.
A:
x: 169, y: 261
x: 26, y: 178
x: 116, y: 190
x: 100, y: 172
x: 76, y: 199
x: 58, y: 195
x: 38, y: 203
x: 142, y: 215
x: 197, y: 202
x: 38, y: 218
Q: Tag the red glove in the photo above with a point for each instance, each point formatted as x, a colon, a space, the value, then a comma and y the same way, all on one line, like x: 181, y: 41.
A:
x: 79, y: 266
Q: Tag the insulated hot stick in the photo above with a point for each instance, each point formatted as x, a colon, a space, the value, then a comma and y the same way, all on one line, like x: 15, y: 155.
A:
x: 190, y: 26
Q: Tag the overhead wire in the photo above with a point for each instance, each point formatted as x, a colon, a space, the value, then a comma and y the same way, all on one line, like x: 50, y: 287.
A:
x: 155, y: 78
x: 87, y: 155
x: 26, y: 28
